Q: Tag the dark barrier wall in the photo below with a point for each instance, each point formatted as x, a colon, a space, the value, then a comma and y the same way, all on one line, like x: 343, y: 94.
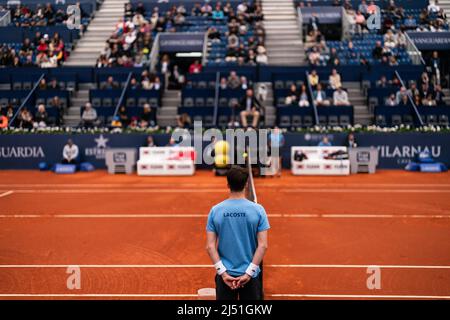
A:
x: 395, y: 149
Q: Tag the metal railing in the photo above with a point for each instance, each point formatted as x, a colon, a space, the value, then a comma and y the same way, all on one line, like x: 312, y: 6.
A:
x: 413, y: 52
x: 122, y: 95
x: 300, y: 22
x: 25, y: 101
x: 313, y: 103
x: 216, y: 99
x: 154, y: 54
x: 205, y: 49
x: 5, y: 18
x: 411, y: 100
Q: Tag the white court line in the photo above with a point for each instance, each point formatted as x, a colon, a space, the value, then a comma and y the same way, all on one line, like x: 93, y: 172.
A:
x: 132, y: 184
x: 188, y: 295
x: 197, y: 266
x: 182, y: 216
x: 7, y: 193
x: 223, y: 190
x: 356, y: 296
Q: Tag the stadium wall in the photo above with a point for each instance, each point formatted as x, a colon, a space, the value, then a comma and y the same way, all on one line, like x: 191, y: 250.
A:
x: 26, y: 151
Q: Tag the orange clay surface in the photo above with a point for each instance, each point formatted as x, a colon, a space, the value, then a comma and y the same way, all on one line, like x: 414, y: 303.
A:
x: 144, y: 237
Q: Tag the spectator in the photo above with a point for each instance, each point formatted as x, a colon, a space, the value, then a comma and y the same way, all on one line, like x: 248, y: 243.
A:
x: 123, y: 116
x: 56, y: 103
x: 313, y: 79
x: 70, y: 153
x: 234, y: 81
x: 404, y: 102
x: 184, y: 121
x: 320, y: 96
x: 325, y: 142
x: 250, y: 107
x: 53, y: 85
x: 148, y: 117
x: 89, y: 116
x: 195, y: 67
x: 400, y: 94
x: 413, y: 91
x: 340, y: 97
x: 41, y: 117
x: 382, y: 83
x: 110, y: 84
x: 377, y: 52
x: 429, y: 100
x: 3, y: 120
x: 25, y: 119
x: 335, y: 80
x: 439, y: 96
x: 292, y: 96
x: 150, y: 142
x: 351, y: 141
x: 391, y: 101
x: 303, y: 97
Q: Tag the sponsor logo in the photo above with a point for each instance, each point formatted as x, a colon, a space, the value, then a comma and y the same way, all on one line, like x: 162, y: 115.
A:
x: 99, y: 151
x: 22, y: 152
x: 403, y: 154
x: 120, y: 157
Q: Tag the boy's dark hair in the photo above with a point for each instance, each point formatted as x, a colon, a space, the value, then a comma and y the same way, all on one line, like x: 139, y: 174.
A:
x: 237, y: 178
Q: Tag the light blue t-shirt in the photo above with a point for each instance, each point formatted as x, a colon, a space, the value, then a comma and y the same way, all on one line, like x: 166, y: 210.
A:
x: 236, y: 222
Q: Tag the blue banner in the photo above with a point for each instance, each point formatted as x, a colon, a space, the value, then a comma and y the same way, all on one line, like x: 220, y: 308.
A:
x: 431, y: 40
x: 326, y: 15
x: 181, y: 42
x: 26, y: 151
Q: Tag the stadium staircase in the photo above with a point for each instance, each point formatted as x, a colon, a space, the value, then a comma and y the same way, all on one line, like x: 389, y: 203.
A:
x: 283, y: 40
x: 445, y: 4
x: 72, y: 117
x: 356, y: 96
x: 100, y: 29
x: 167, y: 113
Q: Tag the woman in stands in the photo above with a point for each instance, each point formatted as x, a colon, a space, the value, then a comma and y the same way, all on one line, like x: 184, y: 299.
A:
x: 292, y: 96
x: 303, y: 98
x: 25, y: 119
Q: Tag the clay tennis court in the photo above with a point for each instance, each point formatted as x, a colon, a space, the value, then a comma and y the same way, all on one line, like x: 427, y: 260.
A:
x: 137, y: 237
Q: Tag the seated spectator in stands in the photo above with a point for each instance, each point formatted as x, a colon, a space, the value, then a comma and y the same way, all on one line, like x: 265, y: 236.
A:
x: 56, y: 103
x: 123, y: 116
x: 303, y: 97
x: 292, y: 96
x: 223, y: 83
x: 116, y: 123
x: 70, y: 153
x: 176, y: 78
x: 314, y: 56
x: 3, y: 120
x: 244, y: 83
x: 360, y: 22
x: 261, y: 55
x: 134, y: 84
x: 391, y: 101
x: 110, y: 84
x: 25, y: 119
x: 195, y: 67
x: 382, y: 83
x: 417, y: 100
x: 340, y: 97
x: 325, y: 142
x: 425, y: 90
x: 377, y: 52
x: 433, y: 7
x: 233, y: 81
x: 401, y: 39
x: 41, y: 117
x: 148, y: 117
x: 335, y: 80
x: 53, y: 85
x: 390, y: 39
x: 27, y: 48
x: 89, y: 116
x: 400, y: 94
x: 320, y: 96
x: 206, y: 9
x: 42, y: 84
x: 439, y: 95
x: 429, y: 101
x: 217, y: 13
x: 404, y: 102
x: 413, y: 91
x: 250, y: 106
x: 184, y: 121
x: 410, y: 22
x: 313, y: 79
